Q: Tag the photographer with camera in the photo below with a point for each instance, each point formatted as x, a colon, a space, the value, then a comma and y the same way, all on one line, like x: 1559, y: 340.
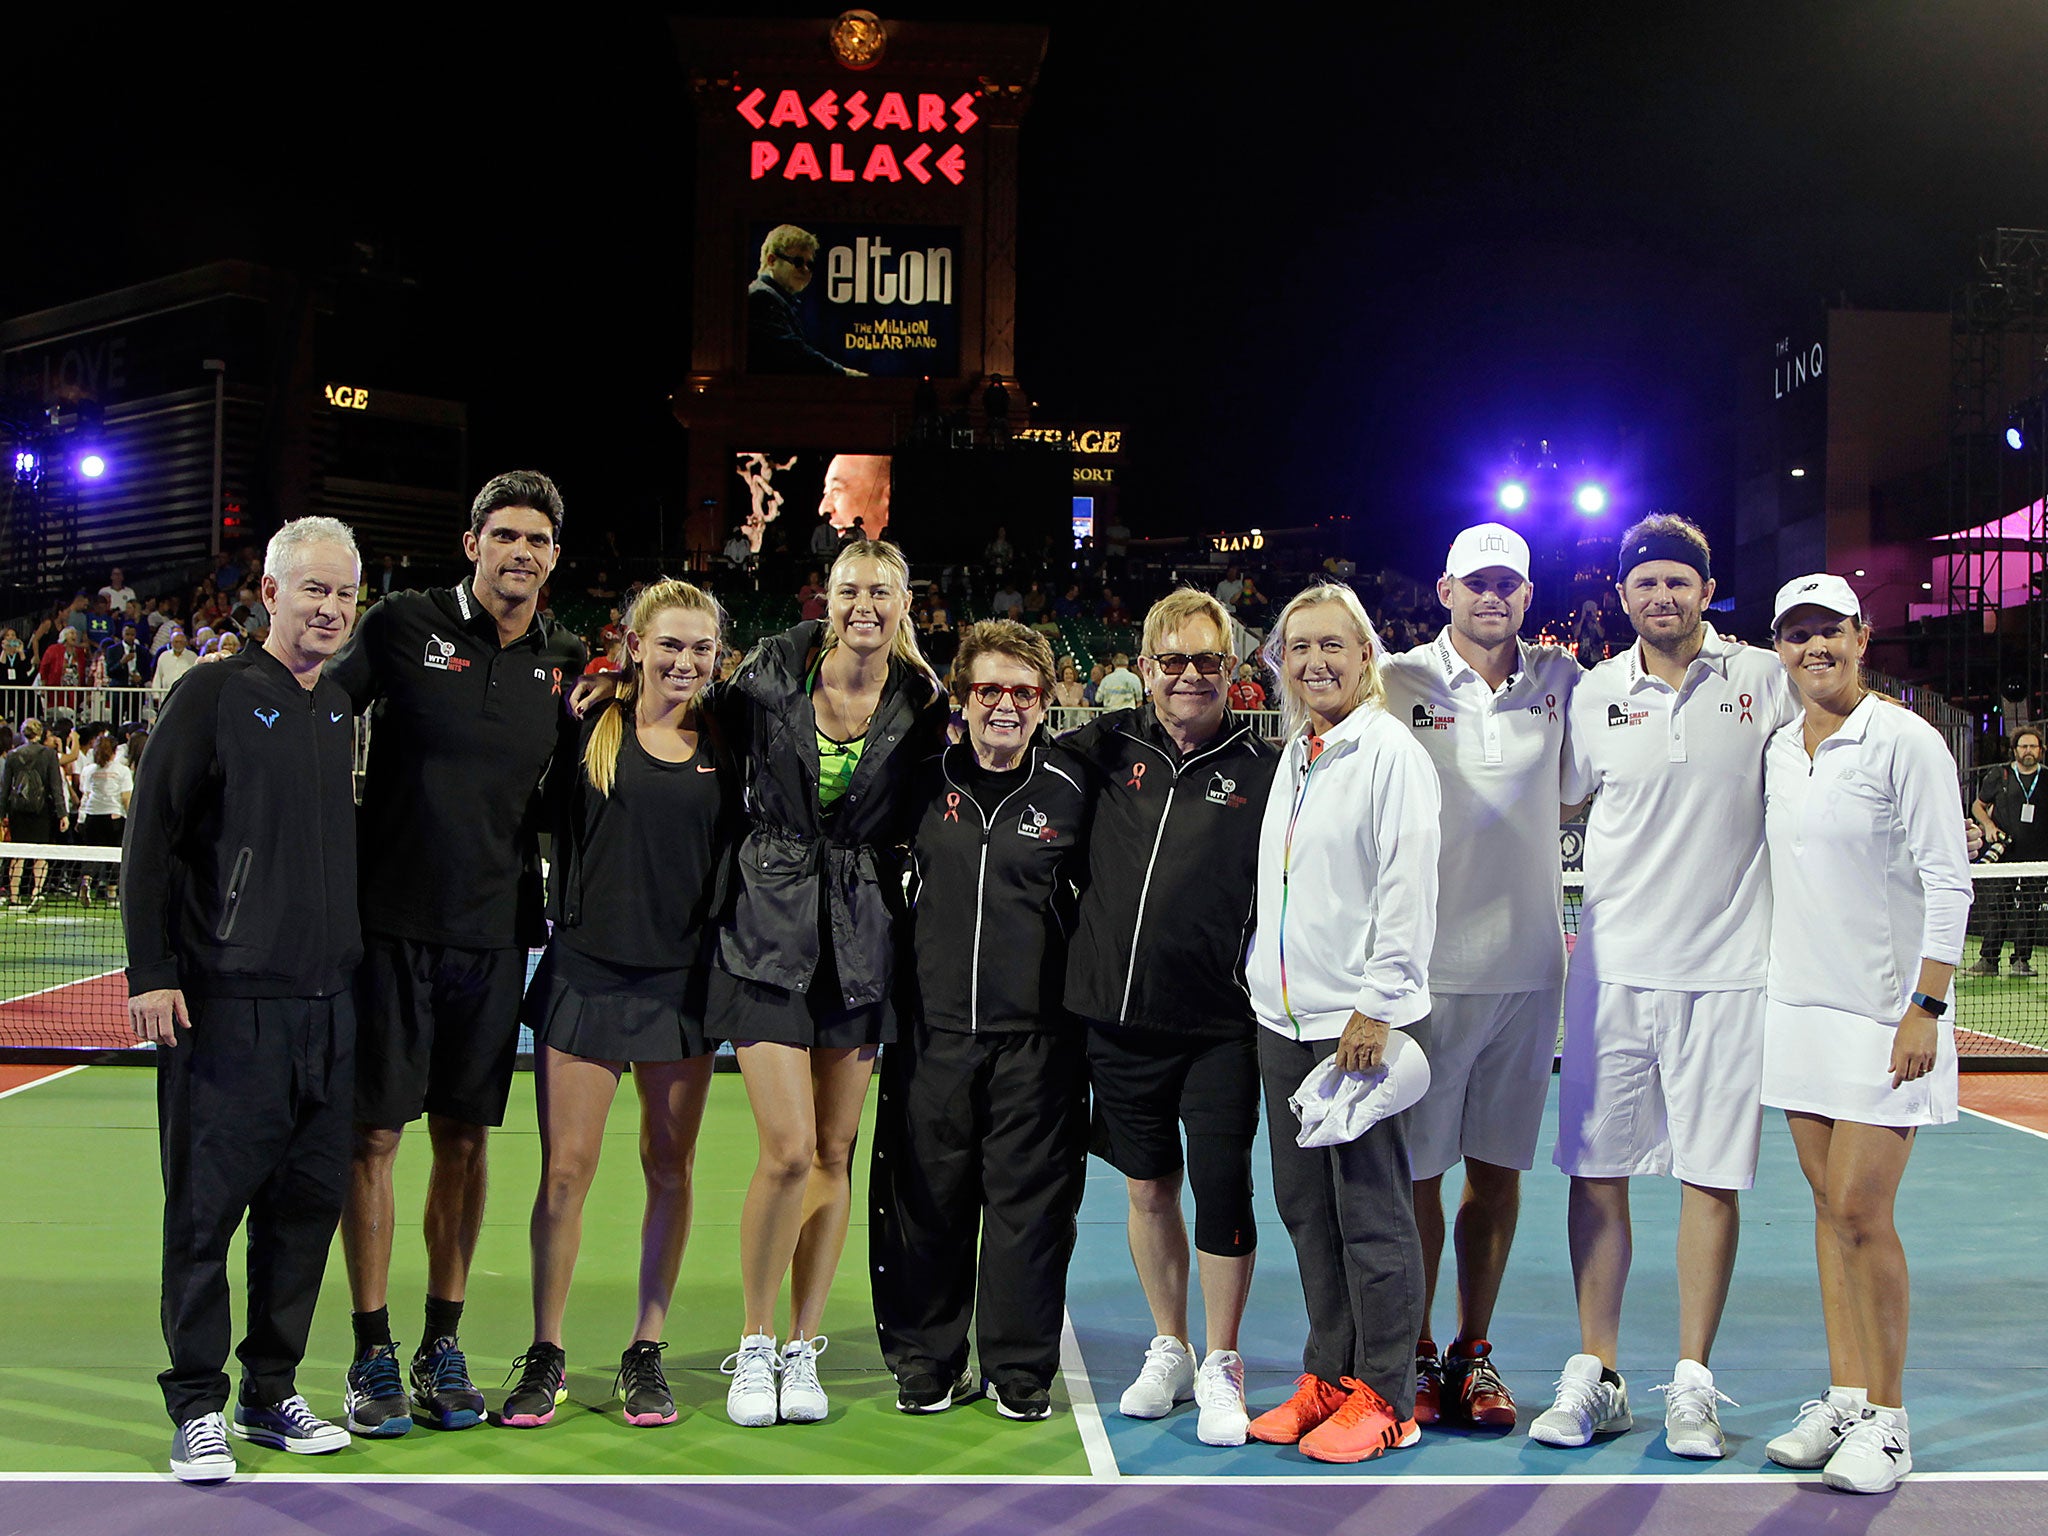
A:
x: 2015, y: 822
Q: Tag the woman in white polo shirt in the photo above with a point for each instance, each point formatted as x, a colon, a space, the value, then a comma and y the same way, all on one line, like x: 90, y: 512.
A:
x: 1871, y: 888
x: 1346, y: 917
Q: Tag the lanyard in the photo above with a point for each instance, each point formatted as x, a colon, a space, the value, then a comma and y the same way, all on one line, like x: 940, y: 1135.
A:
x: 2027, y: 789
x: 1314, y: 745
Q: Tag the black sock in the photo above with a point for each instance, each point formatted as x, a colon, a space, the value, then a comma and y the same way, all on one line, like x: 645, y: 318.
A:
x: 1610, y: 1376
x: 373, y: 1330
x: 444, y: 1321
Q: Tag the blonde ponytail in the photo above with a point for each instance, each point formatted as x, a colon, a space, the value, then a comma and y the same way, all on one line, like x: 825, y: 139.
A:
x: 601, y: 751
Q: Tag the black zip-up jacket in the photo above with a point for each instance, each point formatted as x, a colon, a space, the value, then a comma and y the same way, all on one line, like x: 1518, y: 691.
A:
x: 858, y: 849
x: 239, y: 869
x: 992, y: 904
x: 1173, y: 868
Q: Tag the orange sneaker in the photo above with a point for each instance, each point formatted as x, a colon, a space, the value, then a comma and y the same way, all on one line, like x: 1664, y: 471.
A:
x: 1362, y: 1428
x: 1314, y: 1400
x: 1481, y: 1398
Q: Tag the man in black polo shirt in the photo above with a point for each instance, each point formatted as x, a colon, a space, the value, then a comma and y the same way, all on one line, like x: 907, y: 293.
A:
x: 240, y: 920
x: 2009, y: 808
x: 465, y: 686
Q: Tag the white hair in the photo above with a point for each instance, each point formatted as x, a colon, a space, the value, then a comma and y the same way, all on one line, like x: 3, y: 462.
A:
x: 289, y: 545
x: 1370, y: 690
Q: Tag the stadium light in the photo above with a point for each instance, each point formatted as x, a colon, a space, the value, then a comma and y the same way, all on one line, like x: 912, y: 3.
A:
x: 26, y: 464
x: 1513, y: 496
x: 1590, y: 500
x: 91, y: 465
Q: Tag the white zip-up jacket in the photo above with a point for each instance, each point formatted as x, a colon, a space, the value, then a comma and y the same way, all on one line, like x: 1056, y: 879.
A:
x: 1347, y: 881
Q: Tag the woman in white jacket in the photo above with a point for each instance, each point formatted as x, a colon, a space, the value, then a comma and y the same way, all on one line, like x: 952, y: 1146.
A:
x: 1346, y: 919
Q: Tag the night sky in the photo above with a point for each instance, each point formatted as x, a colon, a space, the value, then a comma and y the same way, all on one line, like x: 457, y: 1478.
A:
x: 1316, y: 268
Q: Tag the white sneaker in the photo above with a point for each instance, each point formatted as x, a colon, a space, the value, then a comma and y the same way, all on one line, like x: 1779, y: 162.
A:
x: 803, y: 1400
x: 1219, y: 1392
x: 200, y: 1451
x: 1822, y: 1423
x: 750, y: 1400
x: 1586, y: 1406
x: 1873, y: 1455
x: 1692, y: 1423
x: 1167, y: 1377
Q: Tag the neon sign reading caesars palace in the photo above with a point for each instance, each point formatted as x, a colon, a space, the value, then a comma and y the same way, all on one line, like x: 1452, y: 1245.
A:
x: 843, y: 160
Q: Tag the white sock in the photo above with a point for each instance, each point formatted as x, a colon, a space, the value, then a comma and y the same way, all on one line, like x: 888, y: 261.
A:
x: 1896, y: 1415
x: 1849, y: 1397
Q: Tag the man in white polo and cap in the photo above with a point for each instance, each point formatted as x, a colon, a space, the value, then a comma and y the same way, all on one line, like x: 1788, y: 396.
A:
x: 1491, y: 710
x: 1664, y: 1001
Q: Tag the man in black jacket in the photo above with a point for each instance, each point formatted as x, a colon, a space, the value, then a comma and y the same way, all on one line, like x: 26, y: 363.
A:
x: 467, y: 684
x: 1157, y: 970
x: 33, y: 800
x: 775, y: 333
x: 240, y: 918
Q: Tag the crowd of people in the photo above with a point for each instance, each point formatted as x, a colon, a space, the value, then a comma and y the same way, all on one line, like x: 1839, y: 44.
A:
x: 1122, y: 940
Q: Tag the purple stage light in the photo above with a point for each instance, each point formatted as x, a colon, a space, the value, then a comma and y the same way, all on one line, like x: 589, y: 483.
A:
x: 91, y: 465
x: 1513, y: 496
x: 25, y: 464
x: 1591, y: 500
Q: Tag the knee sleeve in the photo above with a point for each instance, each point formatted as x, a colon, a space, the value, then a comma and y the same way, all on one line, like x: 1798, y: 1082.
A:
x: 1220, y: 1174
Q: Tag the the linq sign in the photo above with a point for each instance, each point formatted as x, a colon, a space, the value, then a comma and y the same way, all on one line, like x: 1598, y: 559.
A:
x: 863, y: 136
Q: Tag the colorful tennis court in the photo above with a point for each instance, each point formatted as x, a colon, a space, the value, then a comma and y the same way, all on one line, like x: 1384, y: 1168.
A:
x: 82, y: 1433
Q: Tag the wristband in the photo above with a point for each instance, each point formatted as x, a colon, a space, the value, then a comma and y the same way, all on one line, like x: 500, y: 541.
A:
x: 1933, y: 1005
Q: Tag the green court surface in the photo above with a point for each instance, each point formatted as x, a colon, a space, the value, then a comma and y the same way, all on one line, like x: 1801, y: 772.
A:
x: 80, y: 1345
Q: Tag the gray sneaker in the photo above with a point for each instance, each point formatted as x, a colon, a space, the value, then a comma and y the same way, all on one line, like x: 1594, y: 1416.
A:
x: 1692, y: 1421
x: 200, y: 1452
x: 1983, y: 968
x: 2021, y: 968
x: 1587, y: 1405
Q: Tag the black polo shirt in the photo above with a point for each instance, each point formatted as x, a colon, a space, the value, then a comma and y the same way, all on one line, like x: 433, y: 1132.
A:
x: 461, y: 732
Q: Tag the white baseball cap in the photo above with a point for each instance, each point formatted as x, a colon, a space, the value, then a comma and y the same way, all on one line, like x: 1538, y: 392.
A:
x: 1822, y: 591
x: 1486, y: 544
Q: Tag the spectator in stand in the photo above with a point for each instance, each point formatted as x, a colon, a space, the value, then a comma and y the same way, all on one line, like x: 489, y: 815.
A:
x: 104, y: 785
x: 1113, y: 612
x: 99, y: 622
x: 66, y: 668
x: 1034, y: 602
x: 825, y: 540
x: 1121, y: 689
x: 34, y: 801
x: 613, y: 634
x: 1589, y: 639
x: 1230, y: 588
x: 228, y: 644
x: 739, y: 549
x: 1069, y: 692
x: 810, y: 597
x: 153, y: 620
x: 1070, y: 603
x: 1007, y: 603
x: 384, y: 580
x: 117, y: 592
x: 1000, y: 554
x: 1246, y: 692
x: 1253, y: 609
x: 177, y: 659
x: 1096, y: 674
x: 18, y: 675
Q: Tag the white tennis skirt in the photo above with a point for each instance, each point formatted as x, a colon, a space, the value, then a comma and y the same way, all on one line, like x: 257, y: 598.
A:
x: 1823, y: 1061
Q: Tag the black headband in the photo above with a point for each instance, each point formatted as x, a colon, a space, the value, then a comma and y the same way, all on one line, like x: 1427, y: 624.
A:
x: 1662, y: 546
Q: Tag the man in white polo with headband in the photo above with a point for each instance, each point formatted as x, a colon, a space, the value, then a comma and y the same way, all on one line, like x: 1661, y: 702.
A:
x: 1665, y: 998
x: 1490, y: 709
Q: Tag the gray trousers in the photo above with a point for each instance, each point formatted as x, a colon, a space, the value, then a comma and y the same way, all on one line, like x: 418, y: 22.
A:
x: 1351, y: 1213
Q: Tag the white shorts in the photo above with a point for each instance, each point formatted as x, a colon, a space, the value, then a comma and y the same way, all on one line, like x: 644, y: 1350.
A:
x: 1823, y: 1061
x: 1489, y: 1069
x: 1660, y: 1082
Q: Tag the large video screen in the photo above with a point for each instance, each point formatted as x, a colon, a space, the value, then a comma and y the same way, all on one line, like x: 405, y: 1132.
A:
x: 854, y: 298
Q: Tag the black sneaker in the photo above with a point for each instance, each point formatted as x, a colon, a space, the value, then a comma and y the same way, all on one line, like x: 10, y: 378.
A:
x: 928, y: 1392
x: 543, y: 1384
x: 374, y: 1399
x: 442, y: 1392
x: 642, y: 1387
x: 1020, y: 1397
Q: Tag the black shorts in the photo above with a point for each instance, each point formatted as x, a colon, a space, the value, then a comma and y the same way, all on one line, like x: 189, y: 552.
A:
x: 1148, y: 1083
x: 437, y: 1031
x: 745, y: 1011
x: 31, y: 827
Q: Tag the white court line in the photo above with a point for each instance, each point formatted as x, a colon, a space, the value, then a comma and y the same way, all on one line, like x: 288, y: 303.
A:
x: 2010, y: 1125
x: 755, y: 1480
x: 24, y: 1087
x: 76, y: 981
x: 1087, y: 1414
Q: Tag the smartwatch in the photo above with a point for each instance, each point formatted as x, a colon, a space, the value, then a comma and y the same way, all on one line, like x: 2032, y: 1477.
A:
x: 1933, y: 1005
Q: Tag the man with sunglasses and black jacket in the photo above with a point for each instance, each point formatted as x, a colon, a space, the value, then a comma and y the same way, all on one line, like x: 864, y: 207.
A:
x: 1157, y: 971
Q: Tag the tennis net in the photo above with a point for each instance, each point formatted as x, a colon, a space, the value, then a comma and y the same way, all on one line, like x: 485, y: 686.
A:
x: 62, y: 991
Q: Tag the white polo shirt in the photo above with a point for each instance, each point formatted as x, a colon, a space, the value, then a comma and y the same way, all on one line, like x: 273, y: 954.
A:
x: 1498, y: 757
x: 1868, y: 862
x: 1677, y: 894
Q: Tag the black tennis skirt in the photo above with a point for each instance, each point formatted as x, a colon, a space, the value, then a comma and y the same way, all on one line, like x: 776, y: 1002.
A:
x: 603, y: 1011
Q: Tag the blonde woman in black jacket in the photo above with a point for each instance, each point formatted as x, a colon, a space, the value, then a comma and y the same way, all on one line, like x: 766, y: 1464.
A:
x: 830, y: 720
